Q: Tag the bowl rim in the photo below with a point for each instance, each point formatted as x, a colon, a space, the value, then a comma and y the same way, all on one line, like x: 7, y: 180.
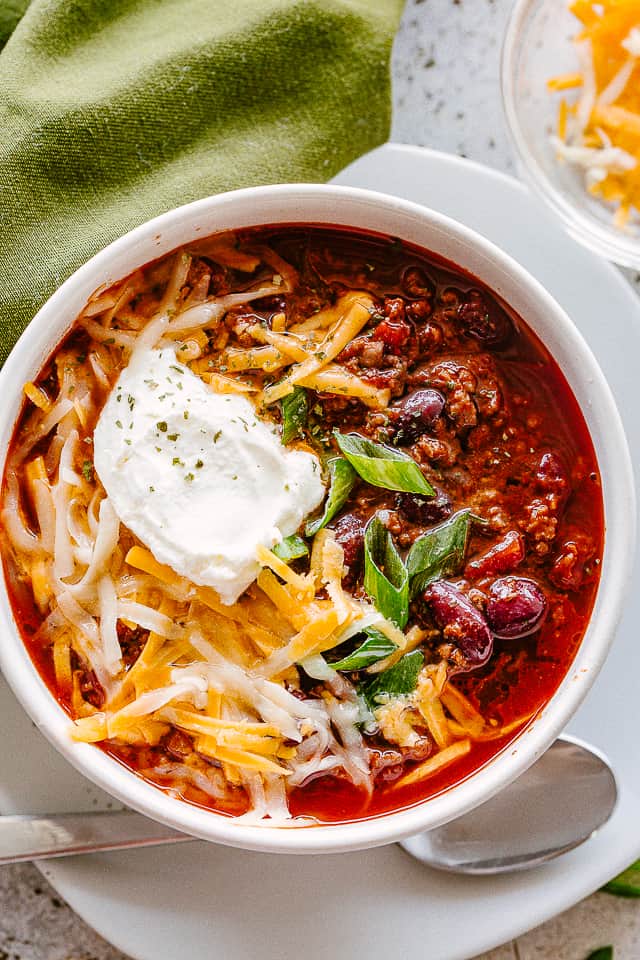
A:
x: 601, y: 239
x: 127, y: 786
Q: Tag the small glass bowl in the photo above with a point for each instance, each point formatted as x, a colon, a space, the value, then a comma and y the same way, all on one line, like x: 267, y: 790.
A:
x: 537, y: 46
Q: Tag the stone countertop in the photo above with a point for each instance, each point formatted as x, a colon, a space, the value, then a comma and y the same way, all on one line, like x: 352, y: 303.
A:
x: 446, y: 96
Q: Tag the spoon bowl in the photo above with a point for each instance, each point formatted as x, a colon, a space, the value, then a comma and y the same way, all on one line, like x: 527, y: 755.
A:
x: 557, y: 804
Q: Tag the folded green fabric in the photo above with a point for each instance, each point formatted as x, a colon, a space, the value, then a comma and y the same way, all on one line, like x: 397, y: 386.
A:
x: 113, y: 111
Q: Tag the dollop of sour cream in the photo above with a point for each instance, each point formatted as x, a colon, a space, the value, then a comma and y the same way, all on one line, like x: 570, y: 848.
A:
x: 197, y: 476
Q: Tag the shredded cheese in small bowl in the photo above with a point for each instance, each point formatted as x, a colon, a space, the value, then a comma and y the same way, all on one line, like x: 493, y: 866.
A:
x: 571, y: 87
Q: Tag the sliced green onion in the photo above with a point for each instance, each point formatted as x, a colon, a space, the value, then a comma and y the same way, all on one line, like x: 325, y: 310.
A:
x: 440, y: 552
x: 627, y: 883
x: 294, y: 414
x: 342, y: 478
x: 381, y: 466
x: 376, y: 647
x: 385, y: 576
x: 291, y: 548
x: 398, y: 681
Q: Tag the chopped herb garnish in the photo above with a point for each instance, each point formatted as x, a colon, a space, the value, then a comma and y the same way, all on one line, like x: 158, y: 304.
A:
x: 177, y: 462
x: 217, y: 436
x: 386, y: 579
x: 162, y: 426
x: 110, y: 341
x: 381, y: 466
x: 128, y: 442
x: 398, y: 681
x: 185, y: 414
x: 87, y: 470
x: 440, y: 552
x: 377, y: 646
x: 189, y: 477
x: 119, y: 424
x: 291, y: 548
x: 173, y: 436
x: 294, y: 414
x: 199, y: 464
x: 177, y: 369
x: 152, y: 489
x: 342, y: 478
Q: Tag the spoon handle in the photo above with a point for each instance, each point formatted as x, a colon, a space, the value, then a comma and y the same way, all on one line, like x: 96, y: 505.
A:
x: 58, y: 835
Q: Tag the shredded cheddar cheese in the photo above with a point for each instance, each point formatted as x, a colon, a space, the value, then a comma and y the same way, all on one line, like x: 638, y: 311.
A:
x: 599, y: 132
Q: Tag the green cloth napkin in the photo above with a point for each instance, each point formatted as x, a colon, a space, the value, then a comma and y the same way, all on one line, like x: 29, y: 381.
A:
x: 112, y: 111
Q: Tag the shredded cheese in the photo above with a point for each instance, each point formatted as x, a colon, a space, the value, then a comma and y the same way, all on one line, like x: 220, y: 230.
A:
x: 600, y: 132
x: 353, y: 310
x: 435, y: 763
x: 37, y: 396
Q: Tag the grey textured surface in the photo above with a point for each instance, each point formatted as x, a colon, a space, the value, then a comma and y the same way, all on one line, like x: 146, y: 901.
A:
x: 446, y: 91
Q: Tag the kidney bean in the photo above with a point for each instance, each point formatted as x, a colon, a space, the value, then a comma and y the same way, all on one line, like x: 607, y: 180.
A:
x: 483, y: 319
x: 516, y: 608
x: 502, y: 557
x: 461, y: 623
x: 349, y: 532
x: 415, y: 414
x: 424, y: 510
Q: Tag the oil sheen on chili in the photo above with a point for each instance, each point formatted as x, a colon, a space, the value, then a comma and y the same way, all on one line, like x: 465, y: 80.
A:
x: 463, y: 513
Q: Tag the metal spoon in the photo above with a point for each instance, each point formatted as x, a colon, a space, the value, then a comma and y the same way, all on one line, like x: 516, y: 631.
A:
x: 555, y: 806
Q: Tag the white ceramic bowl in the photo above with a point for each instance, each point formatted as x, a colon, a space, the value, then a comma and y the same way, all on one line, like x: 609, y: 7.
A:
x: 424, y: 227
